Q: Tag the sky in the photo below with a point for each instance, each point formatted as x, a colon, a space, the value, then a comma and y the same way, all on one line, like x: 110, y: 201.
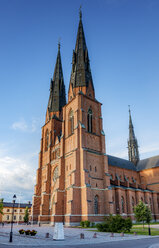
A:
x: 123, y: 44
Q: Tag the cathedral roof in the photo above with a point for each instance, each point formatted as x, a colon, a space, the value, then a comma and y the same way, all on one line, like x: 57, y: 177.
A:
x: 148, y: 163
x: 122, y: 163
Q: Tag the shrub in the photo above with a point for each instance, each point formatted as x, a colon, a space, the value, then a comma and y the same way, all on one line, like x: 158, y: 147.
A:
x: 82, y: 223
x: 92, y: 224
x: 128, y: 224
x: 115, y: 224
x: 87, y: 223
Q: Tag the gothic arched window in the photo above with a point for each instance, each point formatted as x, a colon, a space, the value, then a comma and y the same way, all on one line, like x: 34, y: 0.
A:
x: 150, y: 204
x: 46, y: 140
x: 133, y: 203
x: 89, y: 120
x: 122, y: 204
x: 96, y: 204
x: 70, y: 122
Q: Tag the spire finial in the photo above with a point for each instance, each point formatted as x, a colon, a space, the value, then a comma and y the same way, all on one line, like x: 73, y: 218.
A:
x: 80, y: 12
x: 59, y: 45
x: 129, y: 108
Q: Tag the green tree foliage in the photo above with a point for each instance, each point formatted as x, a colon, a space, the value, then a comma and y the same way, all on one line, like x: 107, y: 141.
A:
x: 142, y: 213
x: 115, y: 224
x: 1, y: 206
x: 26, y: 216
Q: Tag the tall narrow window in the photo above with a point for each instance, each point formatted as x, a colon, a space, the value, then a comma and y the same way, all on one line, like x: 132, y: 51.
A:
x: 89, y: 120
x: 70, y: 123
x: 133, y: 203
x: 122, y: 204
x: 96, y: 204
x: 46, y: 140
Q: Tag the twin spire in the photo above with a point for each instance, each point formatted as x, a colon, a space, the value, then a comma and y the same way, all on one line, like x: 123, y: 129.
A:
x: 80, y: 75
x: 57, y: 97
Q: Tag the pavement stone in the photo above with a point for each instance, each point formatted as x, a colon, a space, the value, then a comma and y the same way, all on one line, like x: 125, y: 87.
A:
x: 72, y: 236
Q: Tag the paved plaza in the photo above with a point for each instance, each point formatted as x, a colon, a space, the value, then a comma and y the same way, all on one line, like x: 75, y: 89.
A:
x: 72, y: 236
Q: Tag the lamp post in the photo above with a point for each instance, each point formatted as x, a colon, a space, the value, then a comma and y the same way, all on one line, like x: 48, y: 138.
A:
x: 11, y: 233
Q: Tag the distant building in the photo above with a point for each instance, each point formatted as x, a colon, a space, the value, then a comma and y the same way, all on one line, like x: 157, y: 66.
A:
x: 76, y: 179
x: 19, y: 212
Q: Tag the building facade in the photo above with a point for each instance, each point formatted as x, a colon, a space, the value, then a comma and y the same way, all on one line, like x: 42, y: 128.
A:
x: 19, y: 212
x: 76, y: 180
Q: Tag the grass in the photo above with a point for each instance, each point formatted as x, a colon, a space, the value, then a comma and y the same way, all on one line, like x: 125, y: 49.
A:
x: 140, y: 231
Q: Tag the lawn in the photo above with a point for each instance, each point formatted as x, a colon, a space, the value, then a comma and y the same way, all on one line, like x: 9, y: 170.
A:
x: 140, y: 231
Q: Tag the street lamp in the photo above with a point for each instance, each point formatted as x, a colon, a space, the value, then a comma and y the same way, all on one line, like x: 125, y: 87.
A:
x: 11, y: 233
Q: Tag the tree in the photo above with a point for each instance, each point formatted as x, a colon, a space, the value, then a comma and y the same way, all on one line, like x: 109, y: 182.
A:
x: 26, y: 216
x: 142, y: 213
x: 1, y: 206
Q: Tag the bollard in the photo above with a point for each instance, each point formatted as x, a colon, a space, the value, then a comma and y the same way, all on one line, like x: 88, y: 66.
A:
x: 112, y: 235
x: 95, y: 235
x: 47, y: 235
x: 81, y: 235
x: 122, y: 234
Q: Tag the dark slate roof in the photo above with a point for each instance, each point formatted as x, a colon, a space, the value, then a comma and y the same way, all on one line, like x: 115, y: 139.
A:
x: 122, y: 163
x: 16, y: 205
x: 148, y: 163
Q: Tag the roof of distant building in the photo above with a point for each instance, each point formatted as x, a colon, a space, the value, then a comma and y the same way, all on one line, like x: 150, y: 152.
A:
x: 17, y: 205
x: 148, y: 163
x: 122, y: 163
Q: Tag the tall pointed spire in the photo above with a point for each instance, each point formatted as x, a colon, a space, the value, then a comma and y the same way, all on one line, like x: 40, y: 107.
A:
x: 81, y: 73
x: 133, y: 150
x: 57, y: 97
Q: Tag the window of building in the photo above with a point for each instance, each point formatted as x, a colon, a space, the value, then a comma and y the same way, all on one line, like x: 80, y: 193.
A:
x: 15, y: 210
x: 150, y: 204
x: 46, y: 140
x: 96, y: 185
x: 95, y: 169
x: 20, y: 217
x: 132, y: 203
x: 70, y: 123
x: 122, y: 204
x: 96, y: 204
x: 8, y: 210
x: 89, y: 120
x: 90, y: 167
x: 21, y: 210
x: 14, y: 217
x: 7, y: 217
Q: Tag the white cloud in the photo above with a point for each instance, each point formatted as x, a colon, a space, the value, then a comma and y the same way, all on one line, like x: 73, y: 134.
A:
x: 17, y: 176
x: 20, y: 125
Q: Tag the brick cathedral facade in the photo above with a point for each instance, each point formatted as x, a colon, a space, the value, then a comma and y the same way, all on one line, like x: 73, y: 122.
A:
x: 76, y: 180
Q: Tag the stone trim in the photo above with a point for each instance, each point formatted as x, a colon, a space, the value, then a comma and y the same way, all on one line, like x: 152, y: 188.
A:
x: 93, y: 151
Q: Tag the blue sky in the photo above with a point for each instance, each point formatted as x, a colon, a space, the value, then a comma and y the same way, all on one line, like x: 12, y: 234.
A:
x: 122, y: 38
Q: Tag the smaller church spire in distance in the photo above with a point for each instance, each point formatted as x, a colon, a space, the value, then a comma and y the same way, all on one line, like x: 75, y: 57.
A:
x: 133, y: 151
x: 57, y: 97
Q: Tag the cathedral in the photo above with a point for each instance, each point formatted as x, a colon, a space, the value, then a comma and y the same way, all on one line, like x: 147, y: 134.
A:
x: 76, y: 179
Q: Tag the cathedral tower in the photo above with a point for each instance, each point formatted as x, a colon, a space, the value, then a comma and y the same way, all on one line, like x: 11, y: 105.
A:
x: 72, y: 178
x: 48, y: 170
x: 133, y: 151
